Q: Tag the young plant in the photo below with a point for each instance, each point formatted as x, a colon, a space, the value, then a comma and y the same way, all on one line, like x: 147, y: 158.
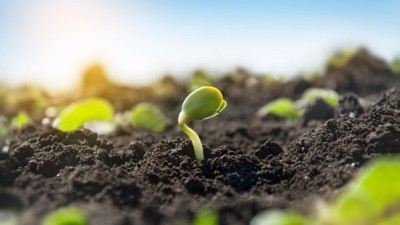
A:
x: 278, y: 217
x: 67, y: 216
x: 80, y: 112
x: 203, y: 103
x: 282, y: 107
x: 395, y: 65
x: 20, y: 120
x: 148, y: 116
x: 206, y: 216
x: 340, y: 59
x: 329, y: 96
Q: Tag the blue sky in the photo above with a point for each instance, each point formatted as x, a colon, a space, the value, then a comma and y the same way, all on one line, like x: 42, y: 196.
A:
x: 50, y: 42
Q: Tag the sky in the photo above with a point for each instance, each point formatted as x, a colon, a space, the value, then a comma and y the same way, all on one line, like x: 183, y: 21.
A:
x: 49, y: 42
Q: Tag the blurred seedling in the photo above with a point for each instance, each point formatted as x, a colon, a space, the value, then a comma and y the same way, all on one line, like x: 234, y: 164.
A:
x: 206, y: 216
x: 283, y: 108
x: 148, y: 116
x: 371, y: 198
x: 203, y: 103
x: 279, y: 217
x: 67, y: 216
x: 341, y: 58
x: 199, y: 79
x: 395, y: 65
x: 20, y: 120
x: 329, y: 96
x: 83, y: 111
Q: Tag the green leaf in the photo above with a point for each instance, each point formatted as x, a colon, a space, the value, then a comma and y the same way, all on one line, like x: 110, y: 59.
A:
x: 67, y: 216
x: 329, y: 96
x: 148, y: 116
x: 78, y: 113
x: 206, y: 217
x: 203, y: 103
x: 277, y: 217
x: 395, y: 65
x: 20, y: 120
x: 281, y: 107
x: 340, y: 59
x: 373, y: 196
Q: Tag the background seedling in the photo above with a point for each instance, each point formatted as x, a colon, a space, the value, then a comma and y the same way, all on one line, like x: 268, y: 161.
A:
x: 329, y: 96
x: 201, y: 104
x: 206, y: 216
x: 395, y: 65
x: 277, y: 217
x: 282, y: 107
x: 78, y: 113
x: 199, y: 79
x: 67, y: 216
x: 148, y: 116
x: 20, y: 120
x: 340, y: 59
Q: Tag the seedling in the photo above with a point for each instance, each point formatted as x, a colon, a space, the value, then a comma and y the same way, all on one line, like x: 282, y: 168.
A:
x: 206, y: 216
x: 67, y: 216
x: 148, y: 116
x: 20, y: 120
x: 78, y: 113
x: 203, y: 103
x: 340, y: 59
x: 329, y: 96
x: 282, y: 107
x: 199, y: 79
x: 395, y: 65
x: 278, y: 217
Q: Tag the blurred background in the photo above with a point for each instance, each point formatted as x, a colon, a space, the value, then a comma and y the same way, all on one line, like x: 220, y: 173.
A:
x: 50, y: 43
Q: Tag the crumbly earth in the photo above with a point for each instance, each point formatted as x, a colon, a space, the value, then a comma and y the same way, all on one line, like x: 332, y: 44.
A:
x: 251, y: 164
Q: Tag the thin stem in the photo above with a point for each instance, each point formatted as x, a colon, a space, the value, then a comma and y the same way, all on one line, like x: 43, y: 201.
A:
x: 197, y: 147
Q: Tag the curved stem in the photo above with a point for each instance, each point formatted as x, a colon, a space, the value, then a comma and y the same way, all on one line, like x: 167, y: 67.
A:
x: 197, y: 147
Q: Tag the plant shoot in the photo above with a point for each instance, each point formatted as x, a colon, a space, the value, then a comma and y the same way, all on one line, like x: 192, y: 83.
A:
x: 203, y: 103
x: 148, y: 116
x: 284, y: 108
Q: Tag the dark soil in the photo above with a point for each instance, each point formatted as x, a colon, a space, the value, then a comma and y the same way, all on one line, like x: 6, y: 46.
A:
x: 252, y: 164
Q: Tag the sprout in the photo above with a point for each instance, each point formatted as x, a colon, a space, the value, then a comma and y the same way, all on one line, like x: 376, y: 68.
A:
x: 201, y: 104
x: 395, y: 65
x: 373, y: 196
x: 206, y: 216
x: 329, y: 96
x: 67, y: 216
x: 199, y: 79
x: 148, y: 116
x: 20, y: 120
x: 78, y: 113
x: 277, y: 217
x: 281, y: 107
x: 340, y: 59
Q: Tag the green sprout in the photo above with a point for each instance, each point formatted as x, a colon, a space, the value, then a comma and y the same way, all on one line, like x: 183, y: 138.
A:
x: 148, y: 116
x: 282, y: 107
x: 340, y: 59
x: 203, y: 103
x: 80, y: 112
x: 278, y: 217
x: 20, y: 120
x: 199, y: 79
x: 395, y: 65
x: 206, y: 216
x: 67, y: 216
x: 373, y: 197
x: 329, y: 96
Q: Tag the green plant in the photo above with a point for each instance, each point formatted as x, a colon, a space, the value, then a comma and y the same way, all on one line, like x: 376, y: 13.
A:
x: 67, y: 216
x: 372, y: 198
x: 206, y: 216
x: 281, y: 107
x: 329, y: 96
x: 148, y: 116
x: 340, y: 59
x: 199, y: 79
x: 201, y: 104
x: 78, y: 113
x: 278, y: 217
x: 20, y: 120
x: 395, y: 65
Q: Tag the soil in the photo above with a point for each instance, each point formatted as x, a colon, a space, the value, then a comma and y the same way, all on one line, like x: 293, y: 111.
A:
x: 251, y: 164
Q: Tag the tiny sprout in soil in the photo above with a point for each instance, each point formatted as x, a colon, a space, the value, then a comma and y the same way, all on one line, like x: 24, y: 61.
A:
x: 283, y: 108
x: 20, y: 120
x: 148, y: 116
x: 201, y: 104
x: 67, y: 216
x: 80, y: 112
x: 329, y: 96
